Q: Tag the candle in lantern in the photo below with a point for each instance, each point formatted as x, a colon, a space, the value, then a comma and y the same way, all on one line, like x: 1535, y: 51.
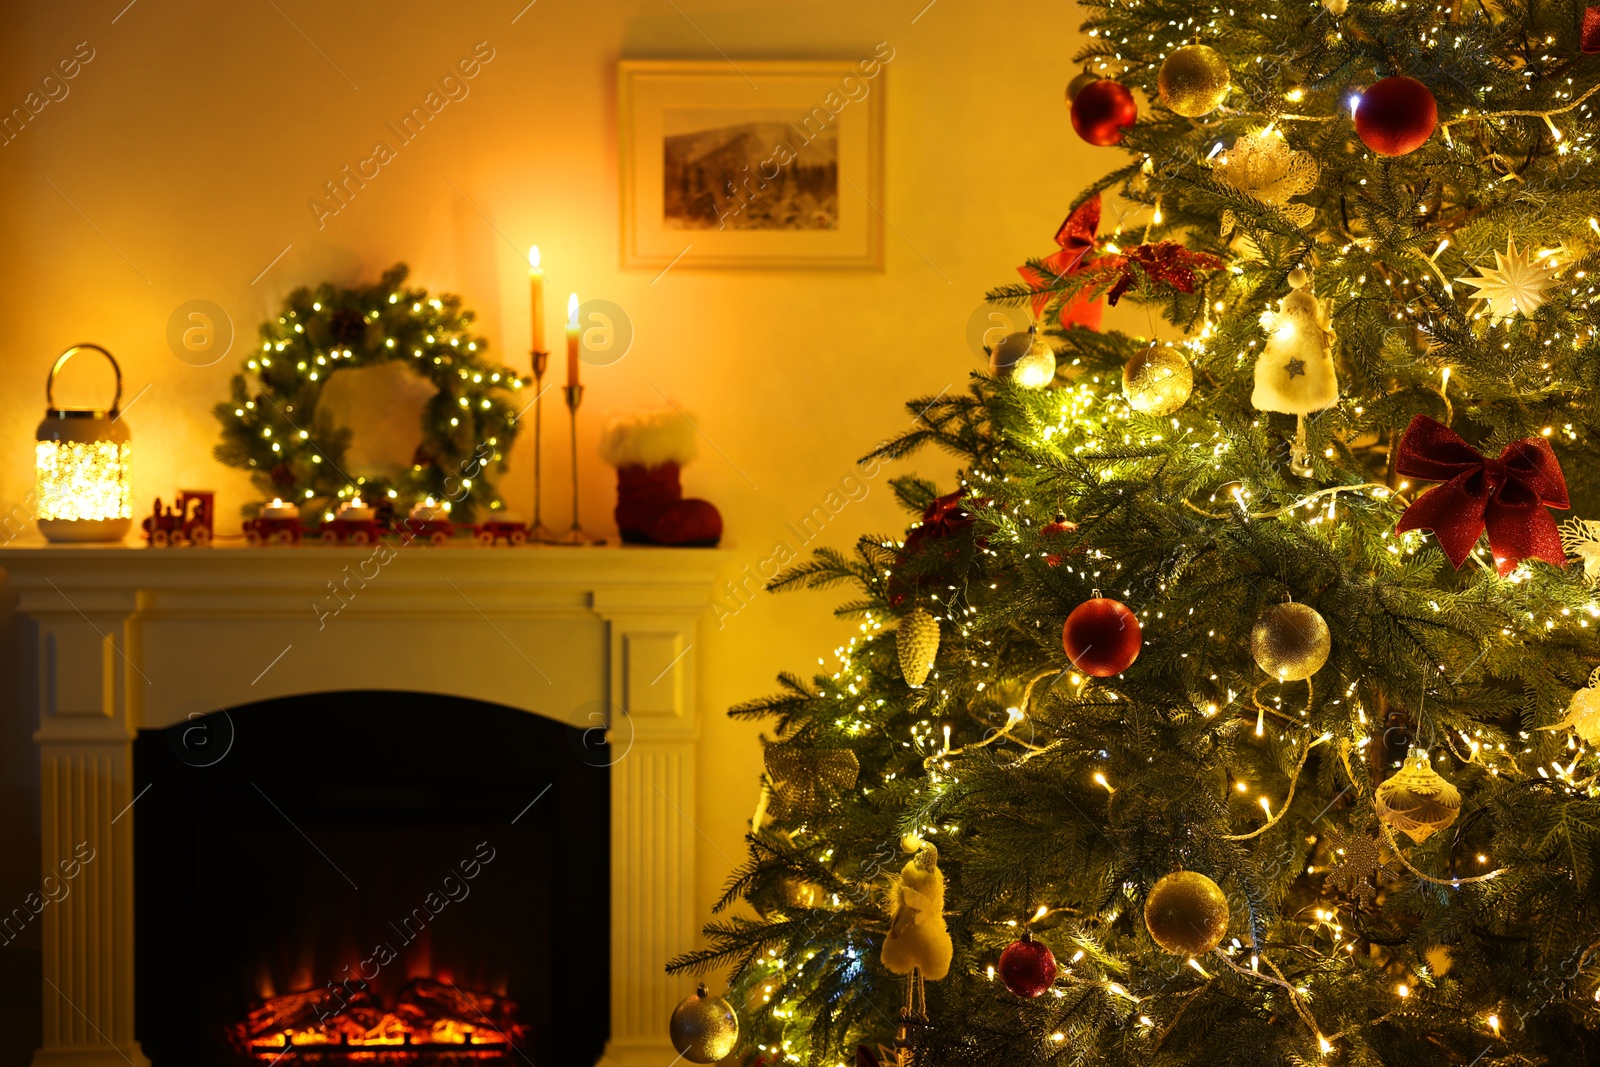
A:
x: 536, y: 295
x: 572, y: 339
x: 82, y: 461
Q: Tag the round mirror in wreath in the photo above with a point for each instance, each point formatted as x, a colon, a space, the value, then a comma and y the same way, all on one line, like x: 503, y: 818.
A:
x: 288, y: 418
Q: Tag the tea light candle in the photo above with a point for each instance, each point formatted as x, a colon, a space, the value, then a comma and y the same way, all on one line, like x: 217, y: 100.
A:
x: 429, y: 510
x: 357, y: 511
x: 278, y: 509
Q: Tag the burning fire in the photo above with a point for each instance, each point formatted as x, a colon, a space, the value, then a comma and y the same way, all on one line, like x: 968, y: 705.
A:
x: 427, y: 1017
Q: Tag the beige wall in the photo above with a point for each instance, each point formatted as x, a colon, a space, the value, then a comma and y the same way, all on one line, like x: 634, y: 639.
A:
x: 190, y: 146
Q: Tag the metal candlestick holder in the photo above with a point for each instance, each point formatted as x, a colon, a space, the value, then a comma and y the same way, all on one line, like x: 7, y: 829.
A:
x: 577, y: 535
x: 539, y: 531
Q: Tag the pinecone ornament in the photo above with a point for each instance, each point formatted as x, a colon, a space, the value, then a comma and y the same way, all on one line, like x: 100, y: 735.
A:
x: 918, y: 643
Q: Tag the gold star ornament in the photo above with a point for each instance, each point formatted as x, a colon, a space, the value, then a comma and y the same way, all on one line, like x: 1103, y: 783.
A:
x: 1515, y: 286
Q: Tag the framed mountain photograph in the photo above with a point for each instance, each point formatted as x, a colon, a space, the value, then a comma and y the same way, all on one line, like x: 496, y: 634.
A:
x: 752, y: 163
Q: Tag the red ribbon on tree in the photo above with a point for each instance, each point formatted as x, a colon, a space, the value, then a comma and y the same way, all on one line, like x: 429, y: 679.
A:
x: 1506, y: 495
x: 1076, y: 239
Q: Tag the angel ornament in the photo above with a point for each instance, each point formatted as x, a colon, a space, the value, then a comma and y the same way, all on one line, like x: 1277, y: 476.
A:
x: 1295, y: 373
x: 918, y: 943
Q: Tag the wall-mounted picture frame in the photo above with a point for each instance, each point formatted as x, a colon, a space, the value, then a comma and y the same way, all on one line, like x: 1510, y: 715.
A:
x: 752, y: 163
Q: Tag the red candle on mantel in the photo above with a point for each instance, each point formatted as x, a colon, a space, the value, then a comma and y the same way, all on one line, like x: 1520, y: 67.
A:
x: 572, y: 339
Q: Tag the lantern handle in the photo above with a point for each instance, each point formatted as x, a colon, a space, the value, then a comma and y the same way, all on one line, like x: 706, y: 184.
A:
x: 61, y: 361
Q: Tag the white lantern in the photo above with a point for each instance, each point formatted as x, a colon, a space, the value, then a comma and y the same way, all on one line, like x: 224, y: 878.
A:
x: 83, y: 481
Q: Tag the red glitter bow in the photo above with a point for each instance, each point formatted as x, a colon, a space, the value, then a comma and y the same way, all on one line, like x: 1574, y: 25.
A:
x: 1163, y: 261
x: 1076, y: 239
x: 1506, y: 495
x: 943, y: 517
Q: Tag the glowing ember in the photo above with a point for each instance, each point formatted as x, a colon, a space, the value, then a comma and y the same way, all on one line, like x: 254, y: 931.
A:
x: 428, y: 1021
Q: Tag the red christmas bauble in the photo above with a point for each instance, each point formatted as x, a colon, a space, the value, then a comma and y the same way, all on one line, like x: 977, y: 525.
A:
x: 1102, y: 637
x: 1589, y: 34
x: 1100, y: 112
x: 1027, y: 967
x: 1396, y: 116
x: 1057, y: 527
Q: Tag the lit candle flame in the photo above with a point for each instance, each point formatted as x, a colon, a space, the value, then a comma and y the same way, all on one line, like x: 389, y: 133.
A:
x: 572, y: 309
x: 533, y: 256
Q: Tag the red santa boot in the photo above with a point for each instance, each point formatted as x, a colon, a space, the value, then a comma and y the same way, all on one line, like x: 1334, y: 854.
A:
x: 648, y: 449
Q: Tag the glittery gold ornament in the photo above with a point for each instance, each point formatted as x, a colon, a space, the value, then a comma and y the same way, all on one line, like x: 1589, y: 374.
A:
x: 804, y: 783
x: 1025, y: 359
x: 1583, y: 713
x: 1193, y: 80
x: 1417, y: 800
x: 1187, y: 913
x: 704, y: 1028
x: 1157, y: 380
x: 917, y: 641
x: 1290, y: 642
x: 1262, y: 165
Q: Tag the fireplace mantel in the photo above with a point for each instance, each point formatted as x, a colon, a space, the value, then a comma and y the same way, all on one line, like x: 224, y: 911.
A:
x: 133, y: 638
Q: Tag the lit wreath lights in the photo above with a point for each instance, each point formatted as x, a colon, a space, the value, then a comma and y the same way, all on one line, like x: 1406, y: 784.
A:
x: 271, y: 426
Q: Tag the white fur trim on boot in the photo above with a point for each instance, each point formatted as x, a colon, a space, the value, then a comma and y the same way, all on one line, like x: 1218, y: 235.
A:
x: 648, y: 439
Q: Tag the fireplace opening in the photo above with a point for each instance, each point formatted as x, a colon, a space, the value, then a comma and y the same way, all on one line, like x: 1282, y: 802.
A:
x: 366, y: 877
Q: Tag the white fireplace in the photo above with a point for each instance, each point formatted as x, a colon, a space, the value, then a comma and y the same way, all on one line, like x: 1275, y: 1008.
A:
x: 133, y: 638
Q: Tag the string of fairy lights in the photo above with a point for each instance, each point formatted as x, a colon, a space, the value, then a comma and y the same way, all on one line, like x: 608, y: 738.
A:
x: 272, y: 426
x: 1086, y: 418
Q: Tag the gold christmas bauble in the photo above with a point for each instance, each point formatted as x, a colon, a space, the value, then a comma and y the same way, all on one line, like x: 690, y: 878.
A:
x: 1025, y: 359
x: 1193, y: 80
x: 799, y: 893
x: 1417, y: 800
x: 1290, y: 642
x: 704, y: 1028
x: 1157, y: 380
x: 1079, y: 84
x: 1187, y: 913
x: 917, y: 642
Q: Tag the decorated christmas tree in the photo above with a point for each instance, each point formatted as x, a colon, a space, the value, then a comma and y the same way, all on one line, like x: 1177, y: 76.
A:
x: 1233, y: 705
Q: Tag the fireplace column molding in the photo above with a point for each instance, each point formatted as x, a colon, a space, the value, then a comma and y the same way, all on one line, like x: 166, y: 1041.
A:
x: 89, y: 699
x: 131, y: 637
x: 653, y: 733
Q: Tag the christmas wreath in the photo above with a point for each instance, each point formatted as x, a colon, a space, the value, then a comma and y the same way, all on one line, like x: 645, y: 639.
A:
x: 271, y: 425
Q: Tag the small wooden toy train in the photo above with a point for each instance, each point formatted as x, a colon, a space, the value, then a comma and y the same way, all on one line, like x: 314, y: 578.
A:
x: 187, y: 522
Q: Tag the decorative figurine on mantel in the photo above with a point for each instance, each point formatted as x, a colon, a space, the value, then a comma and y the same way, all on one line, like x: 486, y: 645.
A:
x: 187, y: 522
x: 649, y: 448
